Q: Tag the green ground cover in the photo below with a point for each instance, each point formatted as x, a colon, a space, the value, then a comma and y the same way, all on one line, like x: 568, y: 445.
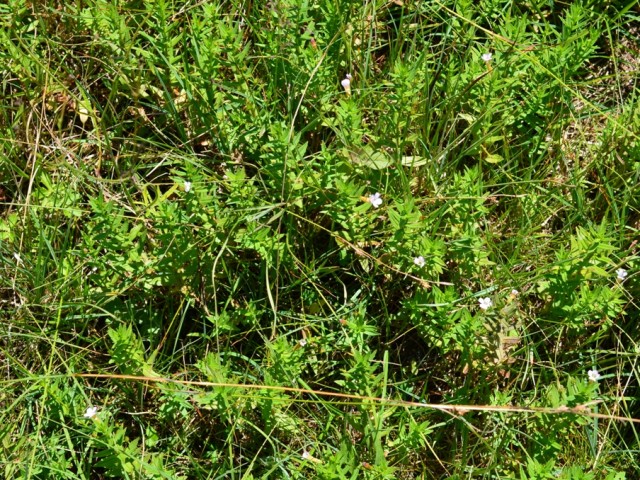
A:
x: 319, y: 239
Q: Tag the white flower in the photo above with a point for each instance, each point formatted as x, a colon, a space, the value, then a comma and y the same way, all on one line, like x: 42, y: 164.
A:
x: 594, y: 375
x: 16, y: 255
x: 307, y: 456
x: 375, y: 200
x: 485, y: 303
x: 187, y: 187
x: 621, y: 273
x: 91, y: 412
x: 303, y: 342
x: 514, y: 292
x: 419, y: 261
x: 487, y: 56
x: 346, y: 84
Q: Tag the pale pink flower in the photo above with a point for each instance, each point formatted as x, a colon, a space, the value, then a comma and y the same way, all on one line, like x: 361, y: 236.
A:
x: 91, y: 412
x: 375, y: 200
x: 594, y: 375
x: 485, y: 303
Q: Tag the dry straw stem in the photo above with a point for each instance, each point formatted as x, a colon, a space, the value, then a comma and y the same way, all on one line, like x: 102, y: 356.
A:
x: 582, y: 410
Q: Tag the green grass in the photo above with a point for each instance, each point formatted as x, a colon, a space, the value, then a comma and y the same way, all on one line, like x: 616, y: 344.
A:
x: 190, y: 240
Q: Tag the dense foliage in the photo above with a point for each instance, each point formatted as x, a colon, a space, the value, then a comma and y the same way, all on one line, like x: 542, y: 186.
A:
x: 423, y: 201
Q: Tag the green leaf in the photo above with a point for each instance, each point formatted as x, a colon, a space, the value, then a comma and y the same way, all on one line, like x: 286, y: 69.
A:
x: 366, y: 157
x: 493, y: 158
x: 412, y: 161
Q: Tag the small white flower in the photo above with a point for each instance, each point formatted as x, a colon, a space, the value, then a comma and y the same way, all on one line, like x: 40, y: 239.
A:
x: 621, y: 273
x: 375, y: 200
x: 91, y: 412
x: 307, y: 456
x: 187, y: 187
x: 16, y: 255
x: 419, y: 261
x: 594, y: 375
x: 487, y: 56
x: 514, y: 292
x: 303, y: 342
x: 346, y: 84
x: 485, y: 303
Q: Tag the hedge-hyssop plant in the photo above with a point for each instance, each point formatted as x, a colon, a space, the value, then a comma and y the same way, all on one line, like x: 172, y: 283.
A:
x: 316, y: 239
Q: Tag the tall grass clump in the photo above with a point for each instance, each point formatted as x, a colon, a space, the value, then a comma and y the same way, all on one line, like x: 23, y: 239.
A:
x: 317, y: 239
